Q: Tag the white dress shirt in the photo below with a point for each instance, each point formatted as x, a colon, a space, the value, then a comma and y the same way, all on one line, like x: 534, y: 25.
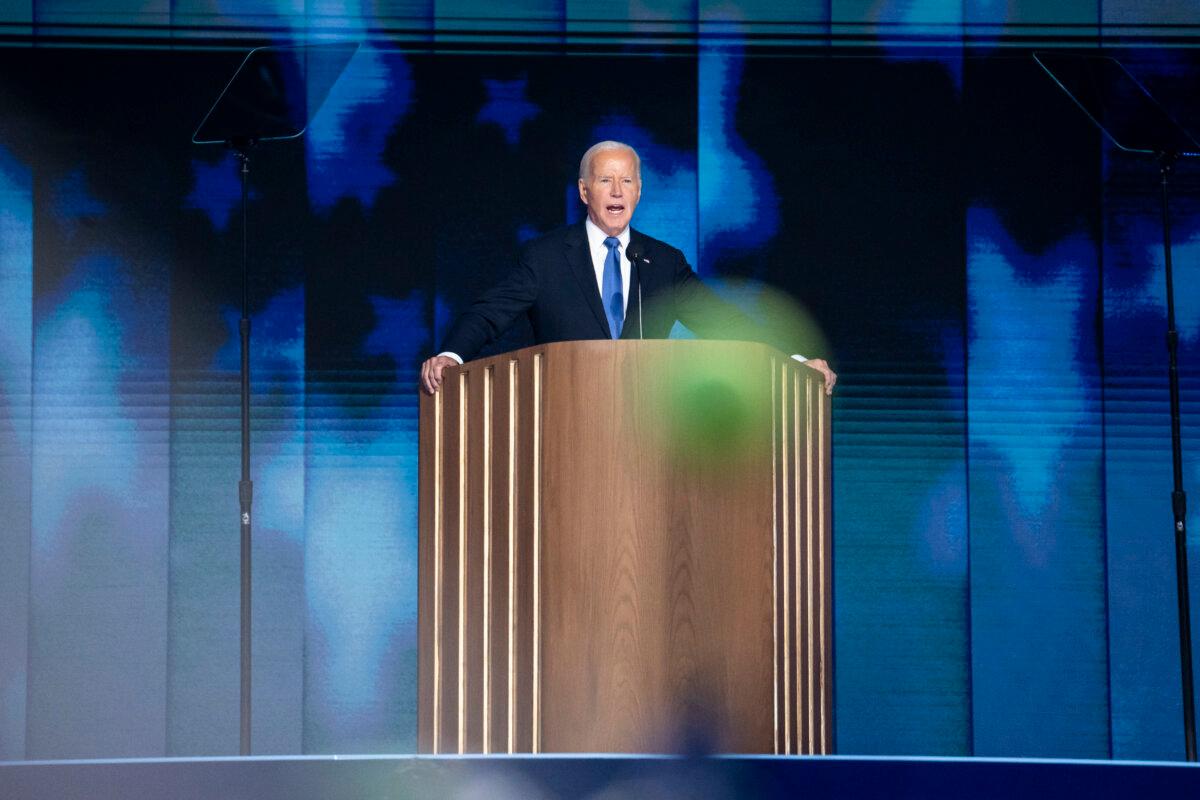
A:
x: 599, y: 251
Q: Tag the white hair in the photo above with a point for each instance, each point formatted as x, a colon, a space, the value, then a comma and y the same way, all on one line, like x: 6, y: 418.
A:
x: 585, y: 163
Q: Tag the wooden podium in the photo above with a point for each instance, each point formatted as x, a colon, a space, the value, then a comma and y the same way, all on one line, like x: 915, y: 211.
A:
x: 625, y: 547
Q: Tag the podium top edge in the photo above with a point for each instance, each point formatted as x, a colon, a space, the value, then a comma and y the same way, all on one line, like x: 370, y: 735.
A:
x: 600, y: 349
x: 609, y: 345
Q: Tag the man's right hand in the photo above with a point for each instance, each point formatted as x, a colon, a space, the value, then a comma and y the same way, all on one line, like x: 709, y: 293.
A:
x: 431, y: 372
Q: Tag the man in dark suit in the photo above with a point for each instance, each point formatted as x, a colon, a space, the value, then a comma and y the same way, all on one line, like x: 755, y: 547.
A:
x: 575, y: 282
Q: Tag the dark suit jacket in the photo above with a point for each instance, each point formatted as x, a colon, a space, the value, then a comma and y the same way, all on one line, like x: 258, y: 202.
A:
x: 554, y: 283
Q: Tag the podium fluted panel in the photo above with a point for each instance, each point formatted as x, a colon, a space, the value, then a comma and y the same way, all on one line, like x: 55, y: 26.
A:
x: 626, y: 547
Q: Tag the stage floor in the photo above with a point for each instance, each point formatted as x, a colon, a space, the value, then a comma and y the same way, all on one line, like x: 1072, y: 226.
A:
x: 583, y: 776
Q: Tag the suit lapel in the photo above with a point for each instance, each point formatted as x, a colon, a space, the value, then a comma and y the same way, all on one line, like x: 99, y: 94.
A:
x: 580, y: 260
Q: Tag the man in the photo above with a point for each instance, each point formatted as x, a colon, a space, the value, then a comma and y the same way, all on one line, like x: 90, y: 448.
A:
x: 574, y: 283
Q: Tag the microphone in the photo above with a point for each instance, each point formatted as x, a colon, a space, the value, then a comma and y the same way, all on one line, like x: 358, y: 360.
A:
x: 636, y: 259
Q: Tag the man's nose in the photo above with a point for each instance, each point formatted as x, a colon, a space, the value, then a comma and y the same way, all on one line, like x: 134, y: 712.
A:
x: 616, y: 190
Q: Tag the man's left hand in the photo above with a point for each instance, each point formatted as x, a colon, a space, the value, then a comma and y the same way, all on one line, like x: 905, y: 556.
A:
x: 821, y: 366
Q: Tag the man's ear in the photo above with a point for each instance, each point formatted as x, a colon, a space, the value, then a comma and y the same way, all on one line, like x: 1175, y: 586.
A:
x: 583, y: 192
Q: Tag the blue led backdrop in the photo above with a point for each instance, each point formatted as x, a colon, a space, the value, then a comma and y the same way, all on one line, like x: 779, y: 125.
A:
x: 986, y: 270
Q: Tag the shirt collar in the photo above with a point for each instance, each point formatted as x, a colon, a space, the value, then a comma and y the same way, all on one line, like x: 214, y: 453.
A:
x: 596, y: 236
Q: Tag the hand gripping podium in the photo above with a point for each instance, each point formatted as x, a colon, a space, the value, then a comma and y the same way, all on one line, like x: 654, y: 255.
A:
x: 625, y: 547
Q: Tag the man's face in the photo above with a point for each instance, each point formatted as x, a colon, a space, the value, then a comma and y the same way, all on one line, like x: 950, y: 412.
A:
x: 612, y: 191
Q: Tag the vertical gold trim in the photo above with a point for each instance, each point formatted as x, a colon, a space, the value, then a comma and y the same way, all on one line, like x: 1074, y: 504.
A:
x: 822, y: 454
x: 512, y: 555
x: 438, y: 567
x: 487, y: 559
x: 462, y: 561
x: 537, y: 552
x: 812, y: 531
x: 800, y: 550
x: 774, y: 559
x: 787, y: 605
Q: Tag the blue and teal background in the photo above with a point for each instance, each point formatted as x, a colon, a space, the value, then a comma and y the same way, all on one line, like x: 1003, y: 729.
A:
x: 987, y: 270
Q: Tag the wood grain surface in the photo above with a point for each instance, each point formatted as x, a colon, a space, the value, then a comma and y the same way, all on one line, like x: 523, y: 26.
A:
x: 626, y: 547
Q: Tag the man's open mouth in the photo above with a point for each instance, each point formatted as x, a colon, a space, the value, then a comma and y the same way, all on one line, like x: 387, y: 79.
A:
x: 615, y: 209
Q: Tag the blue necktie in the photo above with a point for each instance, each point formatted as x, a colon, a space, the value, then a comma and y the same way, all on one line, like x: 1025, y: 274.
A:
x: 610, y: 288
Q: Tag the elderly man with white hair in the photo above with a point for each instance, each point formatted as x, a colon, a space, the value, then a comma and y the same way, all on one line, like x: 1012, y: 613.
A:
x: 574, y: 282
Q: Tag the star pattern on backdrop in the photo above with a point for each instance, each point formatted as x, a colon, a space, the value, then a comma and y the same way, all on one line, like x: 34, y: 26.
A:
x: 507, y: 106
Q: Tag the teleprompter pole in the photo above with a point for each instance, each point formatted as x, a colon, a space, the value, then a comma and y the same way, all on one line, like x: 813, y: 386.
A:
x: 245, y: 485
x: 272, y: 96
x: 1178, y: 496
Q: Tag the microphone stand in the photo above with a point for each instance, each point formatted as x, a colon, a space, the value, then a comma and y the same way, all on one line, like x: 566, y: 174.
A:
x: 634, y: 254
